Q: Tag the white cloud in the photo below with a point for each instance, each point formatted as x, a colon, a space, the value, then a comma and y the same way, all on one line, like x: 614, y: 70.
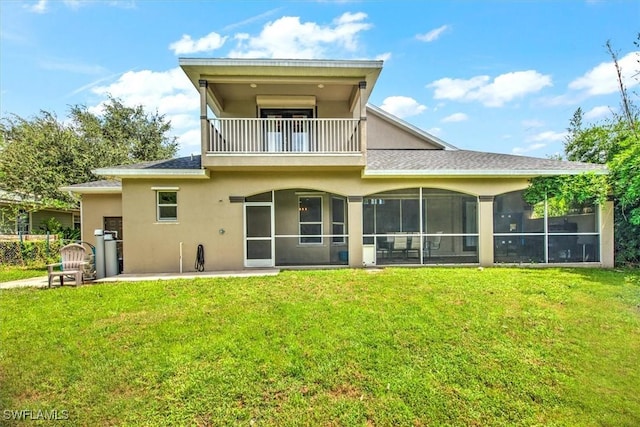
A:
x: 168, y: 92
x: 208, y: 43
x: 189, y: 141
x: 496, y: 93
x: 39, y: 7
x: 547, y: 136
x: 528, y: 148
x: 533, y: 123
x: 598, y: 112
x: 433, y: 34
x: 456, y: 117
x: 602, y: 79
x: 435, y: 131
x: 539, y: 141
x: 251, y: 19
x: 287, y: 37
x: 402, y: 106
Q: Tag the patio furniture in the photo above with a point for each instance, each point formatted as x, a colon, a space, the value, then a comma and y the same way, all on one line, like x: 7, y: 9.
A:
x: 400, y: 244
x: 73, y: 262
x: 414, y: 245
x: 434, y: 245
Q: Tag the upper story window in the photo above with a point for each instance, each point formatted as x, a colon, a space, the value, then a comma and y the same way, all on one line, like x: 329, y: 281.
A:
x: 167, y: 205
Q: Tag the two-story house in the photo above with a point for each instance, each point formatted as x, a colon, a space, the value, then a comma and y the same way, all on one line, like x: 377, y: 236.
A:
x: 297, y: 169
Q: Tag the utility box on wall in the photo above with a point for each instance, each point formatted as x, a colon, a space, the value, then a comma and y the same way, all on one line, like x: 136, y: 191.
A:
x: 368, y: 255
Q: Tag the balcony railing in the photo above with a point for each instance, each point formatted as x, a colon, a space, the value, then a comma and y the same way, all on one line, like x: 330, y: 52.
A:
x: 284, y: 136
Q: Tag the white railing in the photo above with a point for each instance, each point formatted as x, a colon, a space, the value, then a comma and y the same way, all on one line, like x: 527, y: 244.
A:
x: 283, y: 136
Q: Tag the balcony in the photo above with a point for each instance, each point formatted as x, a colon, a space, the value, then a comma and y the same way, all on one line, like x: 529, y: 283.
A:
x: 283, y: 142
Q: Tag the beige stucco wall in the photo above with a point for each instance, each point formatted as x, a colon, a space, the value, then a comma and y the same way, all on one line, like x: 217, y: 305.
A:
x: 206, y: 216
x: 94, y: 208
x: 391, y: 136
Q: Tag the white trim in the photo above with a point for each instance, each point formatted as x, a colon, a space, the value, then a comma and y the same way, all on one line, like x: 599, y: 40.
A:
x: 516, y: 173
x: 293, y: 63
x: 153, y: 173
x: 165, y: 188
x: 249, y: 263
x: 284, y: 101
x: 170, y: 205
x: 93, y: 190
x: 286, y: 154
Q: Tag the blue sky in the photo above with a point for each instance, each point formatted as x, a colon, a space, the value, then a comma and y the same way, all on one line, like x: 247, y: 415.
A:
x: 498, y: 76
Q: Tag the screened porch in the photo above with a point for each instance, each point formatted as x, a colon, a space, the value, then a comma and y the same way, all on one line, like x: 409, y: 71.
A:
x: 421, y: 226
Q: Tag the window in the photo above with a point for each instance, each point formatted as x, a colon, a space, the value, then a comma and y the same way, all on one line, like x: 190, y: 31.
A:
x: 337, y: 220
x: 23, y: 222
x: 167, y: 205
x: 310, y: 216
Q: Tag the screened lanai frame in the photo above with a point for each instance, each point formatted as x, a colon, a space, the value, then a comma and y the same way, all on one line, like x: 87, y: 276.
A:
x: 421, y: 225
x: 547, y: 233
x: 309, y: 227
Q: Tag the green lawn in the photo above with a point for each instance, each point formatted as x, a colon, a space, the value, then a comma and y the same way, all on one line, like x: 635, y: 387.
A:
x: 11, y: 273
x: 428, y: 346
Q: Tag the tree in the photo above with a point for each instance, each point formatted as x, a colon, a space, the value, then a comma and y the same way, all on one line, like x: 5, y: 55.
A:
x: 40, y: 155
x: 616, y: 143
x: 125, y: 134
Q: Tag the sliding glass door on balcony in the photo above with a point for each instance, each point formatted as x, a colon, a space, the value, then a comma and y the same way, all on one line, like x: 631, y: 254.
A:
x: 287, y: 130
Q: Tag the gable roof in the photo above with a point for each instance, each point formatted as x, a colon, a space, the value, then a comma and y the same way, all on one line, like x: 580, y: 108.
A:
x: 464, y: 163
x: 408, y: 127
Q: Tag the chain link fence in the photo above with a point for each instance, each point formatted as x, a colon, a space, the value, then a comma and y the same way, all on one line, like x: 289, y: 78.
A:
x: 30, y: 249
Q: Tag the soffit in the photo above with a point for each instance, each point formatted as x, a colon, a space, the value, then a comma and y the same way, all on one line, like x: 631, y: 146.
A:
x: 233, y: 80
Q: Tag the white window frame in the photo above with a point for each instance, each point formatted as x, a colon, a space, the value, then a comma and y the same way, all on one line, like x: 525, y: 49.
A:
x: 301, y: 223
x: 159, y: 218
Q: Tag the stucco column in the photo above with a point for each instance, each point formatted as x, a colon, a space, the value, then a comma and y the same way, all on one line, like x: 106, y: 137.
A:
x: 354, y: 204
x: 204, y: 123
x: 485, y: 230
x: 363, y: 119
x: 606, y: 234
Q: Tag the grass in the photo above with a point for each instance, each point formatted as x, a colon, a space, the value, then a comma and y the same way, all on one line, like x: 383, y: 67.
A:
x: 424, y: 346
x: 11, y: 273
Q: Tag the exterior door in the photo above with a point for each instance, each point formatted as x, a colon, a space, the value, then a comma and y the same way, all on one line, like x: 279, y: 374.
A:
x: 259, y: 248
x: 287, y: 130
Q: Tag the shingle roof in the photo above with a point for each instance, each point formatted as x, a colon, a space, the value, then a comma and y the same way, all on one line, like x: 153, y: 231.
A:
x: 464, y: 162
x: 189, y: 162
x: 103, y: 183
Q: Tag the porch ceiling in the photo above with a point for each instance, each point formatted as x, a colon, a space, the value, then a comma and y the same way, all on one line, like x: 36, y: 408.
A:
x: 231, y: 80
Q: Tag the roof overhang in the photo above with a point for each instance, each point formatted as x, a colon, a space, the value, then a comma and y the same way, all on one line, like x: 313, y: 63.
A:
x: 153, y: 173
x: 242, y: 80
x: 478, y: 173
x: 78, y: 189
